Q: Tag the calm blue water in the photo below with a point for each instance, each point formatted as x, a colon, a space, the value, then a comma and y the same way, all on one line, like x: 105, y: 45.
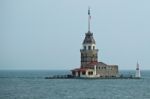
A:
x: 32, y: 85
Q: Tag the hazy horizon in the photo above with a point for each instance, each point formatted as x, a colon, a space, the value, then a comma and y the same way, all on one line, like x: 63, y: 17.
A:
x: 48, y: 34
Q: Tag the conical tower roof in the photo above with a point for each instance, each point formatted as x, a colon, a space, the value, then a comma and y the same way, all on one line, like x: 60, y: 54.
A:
x: 89, y: 39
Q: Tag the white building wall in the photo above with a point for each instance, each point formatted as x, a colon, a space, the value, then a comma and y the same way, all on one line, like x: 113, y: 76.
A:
x: 81, y: 75
x: 138, y: 73
x: 76, y: 74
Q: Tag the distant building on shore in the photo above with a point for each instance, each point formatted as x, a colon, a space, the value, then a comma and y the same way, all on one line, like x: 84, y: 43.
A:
x: 90, y: 67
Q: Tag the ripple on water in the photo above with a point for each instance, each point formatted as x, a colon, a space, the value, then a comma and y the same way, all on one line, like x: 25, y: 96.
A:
x: 24, y: 87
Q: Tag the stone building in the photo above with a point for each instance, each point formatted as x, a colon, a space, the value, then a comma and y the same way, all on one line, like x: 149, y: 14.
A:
x: 90, y: 67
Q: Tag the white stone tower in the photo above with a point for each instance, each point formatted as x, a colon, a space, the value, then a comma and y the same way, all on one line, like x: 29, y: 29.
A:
x: 138, y: 73
x: 89, y: 51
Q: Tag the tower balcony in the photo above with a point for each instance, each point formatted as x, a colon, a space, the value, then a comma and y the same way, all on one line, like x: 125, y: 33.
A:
x: 85, y: 50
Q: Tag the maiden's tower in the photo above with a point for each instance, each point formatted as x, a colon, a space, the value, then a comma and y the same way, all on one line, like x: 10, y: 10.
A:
x: 90, y: 66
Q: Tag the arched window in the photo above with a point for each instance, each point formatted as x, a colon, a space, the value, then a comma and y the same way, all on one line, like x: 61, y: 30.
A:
x: 93, y: 47
x: 89, y: 47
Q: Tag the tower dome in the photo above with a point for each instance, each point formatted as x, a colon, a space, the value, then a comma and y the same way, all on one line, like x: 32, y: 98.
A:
x: 89, y: 39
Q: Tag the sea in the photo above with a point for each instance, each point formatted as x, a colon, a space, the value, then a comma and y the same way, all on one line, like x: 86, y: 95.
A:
x: 31, y: 84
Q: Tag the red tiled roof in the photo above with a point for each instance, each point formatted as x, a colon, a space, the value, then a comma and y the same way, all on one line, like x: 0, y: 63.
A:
x: 79, y: 69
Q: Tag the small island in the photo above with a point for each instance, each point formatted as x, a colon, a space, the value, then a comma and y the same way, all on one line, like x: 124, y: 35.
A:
x: 90, y: 67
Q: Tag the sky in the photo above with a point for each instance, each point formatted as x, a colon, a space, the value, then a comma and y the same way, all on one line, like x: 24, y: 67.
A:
x: 48, y: 34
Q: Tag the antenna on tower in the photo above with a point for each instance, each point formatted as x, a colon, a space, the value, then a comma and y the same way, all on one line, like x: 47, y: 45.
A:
x: 89, y: 19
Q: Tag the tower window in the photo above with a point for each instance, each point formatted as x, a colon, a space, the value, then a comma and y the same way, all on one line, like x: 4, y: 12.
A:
x: 84, y: 47
x: 89, y: 47
x: 93, y: 47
